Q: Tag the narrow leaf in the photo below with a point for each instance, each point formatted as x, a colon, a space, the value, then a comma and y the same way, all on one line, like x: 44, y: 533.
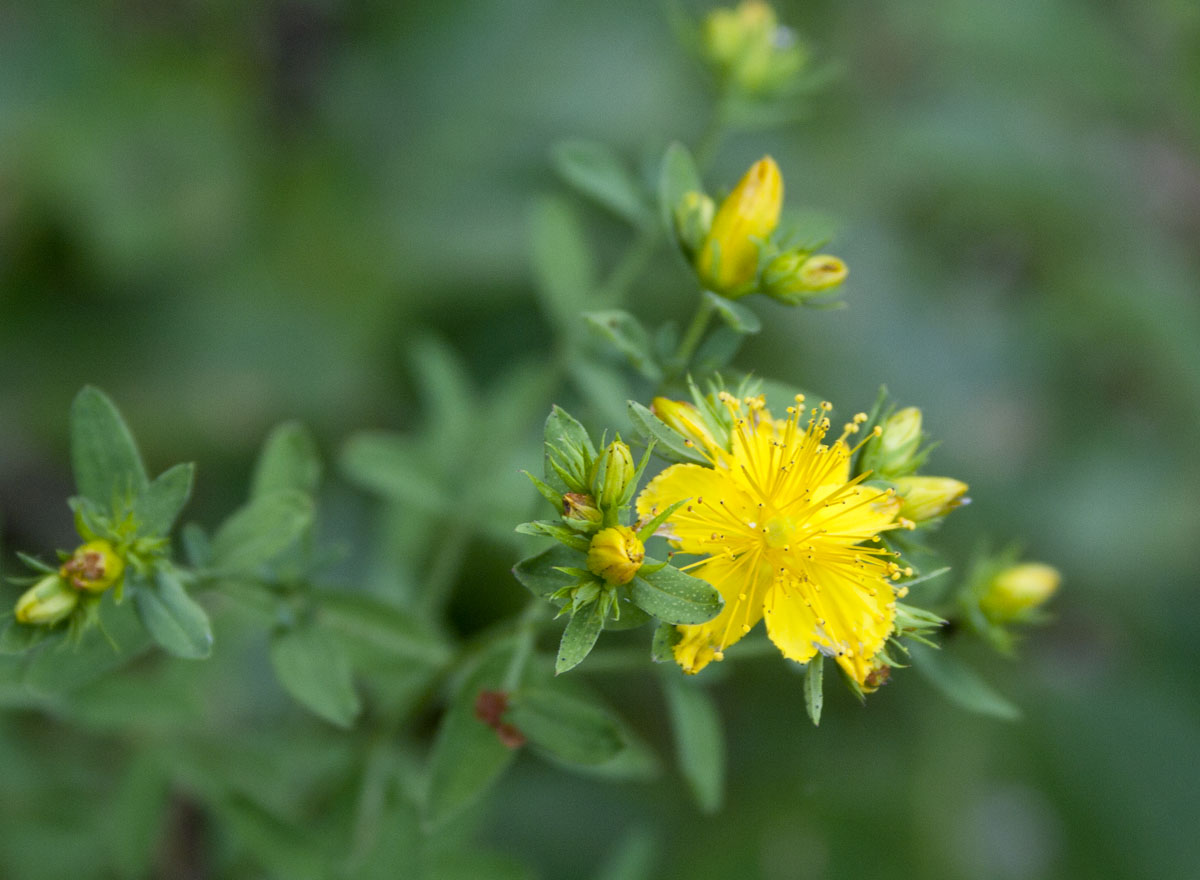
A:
x: 567, y: 727
x: 289, y: 460
x: 671, y: 445
x: 172, y: 617
x: 562, y: 264
x: 699, y: 739
x: 314, y: 670
x: 104, y: 456
x: 628, y: 337
x: 259, y: 530
x: 597, y: 171
x: 814, y: 688
x: 739, y: 318
x: 677, y: 177
x: 961, y: 684
x: 662, y: 646
x: 578, y: 638
x: 158, y: 506
x: 675, y: 597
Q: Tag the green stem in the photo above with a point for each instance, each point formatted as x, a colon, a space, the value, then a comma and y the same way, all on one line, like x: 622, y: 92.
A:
x: 691, y: 339
x: 631, y: 265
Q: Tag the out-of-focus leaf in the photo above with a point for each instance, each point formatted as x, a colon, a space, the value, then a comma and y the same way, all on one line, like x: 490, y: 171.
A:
x: 467, y: 756
x: 172, y: 617
x: 260, y: 529
x: 392, y: 466
x: 196, y: 547
x: 369, y: 622
x: 136, y: 812
x: 671, y: 444
x: 717, y: 350
x: 699, y: 739
x: 568, y: 727
x: 578, y: 638
x: 961, y: 684
x: 738, y: 317
x: 562, y: 265
x: 284, y: 849
x: 677, y: 177
x: 597, y: 171
x: 312, y: 667
x: 158, y: 506
x: 289, y: 460
x: 627, y: 335
x: 631, y: 859
x: 60, y: 668
x: 104, y: 456
x: 675, y: 597
x: 461, y: 865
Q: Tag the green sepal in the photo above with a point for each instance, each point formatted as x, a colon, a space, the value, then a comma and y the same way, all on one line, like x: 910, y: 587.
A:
x: 814, y: 688
x: 647, y: 531
x: 36, y: 564
x: 558, y: 531
x: 546, y: 491
x: 672, y: 446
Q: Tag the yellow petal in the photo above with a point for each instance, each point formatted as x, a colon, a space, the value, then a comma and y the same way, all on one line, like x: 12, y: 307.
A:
x: 692, y: 527
x: 742, y: 583
x: 856, y: 514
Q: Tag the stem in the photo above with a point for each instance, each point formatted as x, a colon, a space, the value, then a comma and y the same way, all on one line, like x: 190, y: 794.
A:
x: 691, y: 339
x: 632, y: 264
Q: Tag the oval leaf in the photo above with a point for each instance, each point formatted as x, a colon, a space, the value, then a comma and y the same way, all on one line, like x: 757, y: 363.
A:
x: 578, y: 638
x: 172, y: 617
x: 256, y: 532
x: 699, y: 739
x: 569, y: 728
x: 675, y: 597
x: 627, y: 335
x: 313, y: 669
x: 597, y: 171
x: 814, y: 688
x: 539, y: 574
x: 104, y: 456
x: 289, y: 460
x: 158, y: 506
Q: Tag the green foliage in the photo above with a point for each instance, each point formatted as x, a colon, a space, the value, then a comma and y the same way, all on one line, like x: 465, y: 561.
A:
x: 104, y: 456
x: 314, y: 669
x: 699, y: 739
x: 173, y: 619
x: 260, y: 530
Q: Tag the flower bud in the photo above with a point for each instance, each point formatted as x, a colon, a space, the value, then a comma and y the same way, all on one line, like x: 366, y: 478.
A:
x: 728, y: 261
x: 924, y: 498
x: 750, y: 48
x: 47, y: 602
x: 693, y: 220
x: 616, y: 476
x: 580, y: 510
x: 794, y: 276
x: 685, y: 419
x: 616, y: 554
x: 94, y: 567
x: 1017, y: 590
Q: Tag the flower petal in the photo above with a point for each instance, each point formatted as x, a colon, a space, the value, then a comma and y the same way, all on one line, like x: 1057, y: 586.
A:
x: 742, y: 583
x: 693, y: 526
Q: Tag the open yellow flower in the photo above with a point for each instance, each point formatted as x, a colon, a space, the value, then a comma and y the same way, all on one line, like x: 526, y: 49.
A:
x: 787, y: 535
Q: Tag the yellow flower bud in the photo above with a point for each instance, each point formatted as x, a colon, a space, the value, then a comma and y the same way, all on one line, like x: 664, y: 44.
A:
x: 923, y: 498
x: 47, y: 602
x: 728, y: 261
x: 616, y: 554
x: 618, y: 472
x: 685, y: 419
x: 581, y: 510
x: 693, y: 220
x: 1018, y: 589
x: 94, y: 567
x: 794, y: 276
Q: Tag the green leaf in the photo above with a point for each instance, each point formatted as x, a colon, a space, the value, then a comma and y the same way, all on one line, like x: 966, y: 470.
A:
x: 699, y: 739
x: 368, y: 622
x: 677, y: 177
x: 260, y: 530
x: 671, y: 445
x: 717, y: 350
x: 540, y: 575
x: 814, y: 688
x: 961, y: 684
x: 597, y: 171
x: 631, y: 618
x: 283, y: 848
x: 135, y: 814
x: 578, y: 638
x: 172, y: 617
x: 312, y: 667
x: 59, y: 668
x: 563, y: 430
x: 474, y: 865
x: 675, y: 597
x: 662, y: 646
x: 570, y: 728
x: 104, y: 455
x: 391, y: 465
x: 17, y: 638
x: 558, y: 531
x: 739, y: 318
x: 632, y: 859
x: 563, y: 270
x: 289, y: 460
x: 158, y: 506
x: 467, y: 756
x: 627, y: 335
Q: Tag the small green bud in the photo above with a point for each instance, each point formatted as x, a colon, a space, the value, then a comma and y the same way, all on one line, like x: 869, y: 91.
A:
x: 616, y: 476
x: 1016, y: 590
x: 796, y: 276
x: 94, y: 566
x: 893, y: 453
x: 693, y: 220
x: 749, y: 47
x: 580, y: 511
x: 925, y: 498
x: 47, y: 602
x: 616, y: 554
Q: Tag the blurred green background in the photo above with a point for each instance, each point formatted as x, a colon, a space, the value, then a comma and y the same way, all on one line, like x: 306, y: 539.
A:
x: 227, y: 214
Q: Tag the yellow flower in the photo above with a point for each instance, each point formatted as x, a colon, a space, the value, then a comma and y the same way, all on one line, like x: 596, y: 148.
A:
x: 728, y: 260
x: 787, y: 535
x: 616, y: 554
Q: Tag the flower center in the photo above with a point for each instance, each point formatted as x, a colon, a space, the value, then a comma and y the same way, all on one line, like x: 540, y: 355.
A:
x: 778, y: 531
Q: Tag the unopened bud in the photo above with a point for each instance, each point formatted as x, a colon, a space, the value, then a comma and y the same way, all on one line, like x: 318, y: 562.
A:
x: 616, y: 554
x: 616, y: 476
x: 749, y: 47
x: 580, y: 510
x: 685, y: 419
x: 93, y: 566
x: 47, y: 602
x: 693, y: 220
x: 728, y: 261
x: 1019, y: 589
x: 795, y: 276
x: 924, y: 498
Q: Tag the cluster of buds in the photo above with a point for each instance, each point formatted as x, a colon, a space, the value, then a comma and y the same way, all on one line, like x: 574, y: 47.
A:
x: 734, y: 249
x: 1001, y: 593
x: 93, y: 568
x: 751, y: 51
